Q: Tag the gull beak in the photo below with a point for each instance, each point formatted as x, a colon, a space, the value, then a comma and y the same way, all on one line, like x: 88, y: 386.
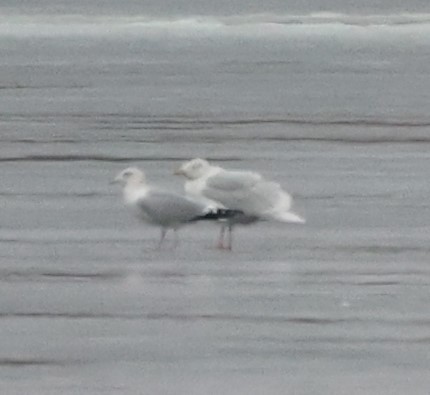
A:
x: 116, y: 180
x: 179, y: 172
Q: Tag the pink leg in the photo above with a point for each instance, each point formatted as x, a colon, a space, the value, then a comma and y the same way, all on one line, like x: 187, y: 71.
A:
x: 220, y: 244
x: 230, y: 238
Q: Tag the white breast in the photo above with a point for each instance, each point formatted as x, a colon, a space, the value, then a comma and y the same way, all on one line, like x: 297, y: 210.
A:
x: 133, y: 193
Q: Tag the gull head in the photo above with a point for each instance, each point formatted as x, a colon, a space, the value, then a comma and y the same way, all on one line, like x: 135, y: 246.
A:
x: 130, y: 176
x: 194, y: 169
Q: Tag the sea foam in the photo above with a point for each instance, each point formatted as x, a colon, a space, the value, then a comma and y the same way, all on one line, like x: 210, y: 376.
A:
x: 253, y: 25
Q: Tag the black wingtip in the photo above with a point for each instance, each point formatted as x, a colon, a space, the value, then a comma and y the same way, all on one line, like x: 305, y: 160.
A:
x: 218, y: 214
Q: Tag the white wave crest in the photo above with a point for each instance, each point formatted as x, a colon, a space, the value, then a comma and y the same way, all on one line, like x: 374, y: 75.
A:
x: 260, y: 25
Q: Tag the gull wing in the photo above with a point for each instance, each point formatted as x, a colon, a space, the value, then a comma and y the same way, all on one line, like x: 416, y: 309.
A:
x: 168, y: 208
x: 248, y: 192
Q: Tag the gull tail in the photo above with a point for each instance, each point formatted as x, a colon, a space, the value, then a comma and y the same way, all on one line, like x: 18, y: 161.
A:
x: 288, y: 216
x: 218, y: 214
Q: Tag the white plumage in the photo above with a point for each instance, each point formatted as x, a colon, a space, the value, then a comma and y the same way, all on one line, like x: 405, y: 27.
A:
x: 165, y: 209
x: 249, y: 192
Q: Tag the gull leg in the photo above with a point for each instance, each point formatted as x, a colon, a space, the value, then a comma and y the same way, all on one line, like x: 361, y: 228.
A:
x: 230, y: 237
x: 162, y: 236
x: 220, y: 243
x: 176, y: 242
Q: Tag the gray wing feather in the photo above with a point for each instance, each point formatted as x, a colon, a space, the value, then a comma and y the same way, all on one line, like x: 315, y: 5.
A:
x: 246, y: 191
x: 168, y: 208
x: 233, y: 181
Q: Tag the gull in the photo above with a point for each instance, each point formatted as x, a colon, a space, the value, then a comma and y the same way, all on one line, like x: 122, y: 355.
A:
x: 165, y: 209
x: 256, y: 198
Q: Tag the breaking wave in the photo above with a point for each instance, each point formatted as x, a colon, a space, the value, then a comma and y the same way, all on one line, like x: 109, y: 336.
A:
x: 260, y: 25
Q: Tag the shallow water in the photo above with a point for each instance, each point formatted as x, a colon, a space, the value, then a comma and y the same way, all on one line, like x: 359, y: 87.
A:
x: 339, y: 116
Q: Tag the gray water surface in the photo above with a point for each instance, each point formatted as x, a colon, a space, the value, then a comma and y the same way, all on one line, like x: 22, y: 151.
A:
x: 337, y: 113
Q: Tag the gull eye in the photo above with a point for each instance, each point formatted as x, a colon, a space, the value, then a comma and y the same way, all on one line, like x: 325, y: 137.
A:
x: 127, y: 174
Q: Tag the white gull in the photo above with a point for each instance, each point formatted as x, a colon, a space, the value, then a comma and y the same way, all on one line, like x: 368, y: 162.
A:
x: 165, y: 209
x: 248, y: 192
